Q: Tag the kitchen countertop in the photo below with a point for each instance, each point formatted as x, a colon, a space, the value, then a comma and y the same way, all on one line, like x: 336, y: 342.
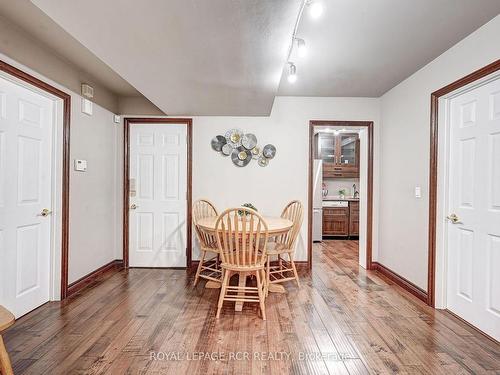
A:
x: 333, y: 198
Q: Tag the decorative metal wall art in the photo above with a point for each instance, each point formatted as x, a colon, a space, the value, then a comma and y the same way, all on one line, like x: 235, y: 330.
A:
x: 243, y: 148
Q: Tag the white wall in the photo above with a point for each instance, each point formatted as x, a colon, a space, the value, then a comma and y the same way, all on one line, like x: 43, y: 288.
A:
x: 93, y: 227
x: 404, y: 157
x: 286, y: 177
x: 22, y: 47
x: 92, y: 239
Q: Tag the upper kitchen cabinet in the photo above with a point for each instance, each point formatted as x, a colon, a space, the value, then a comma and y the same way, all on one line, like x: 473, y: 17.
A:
x: 348, y: 149
x: 340, y: 154
x: 326, y: 148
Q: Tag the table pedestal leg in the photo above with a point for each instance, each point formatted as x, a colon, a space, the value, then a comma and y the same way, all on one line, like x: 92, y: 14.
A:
x: 242, y: 282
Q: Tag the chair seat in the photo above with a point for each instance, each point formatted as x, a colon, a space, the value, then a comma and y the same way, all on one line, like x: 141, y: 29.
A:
x: 276, y: 248
x: 212, y: 247
x: 6, y: 318
x: 232, y: 267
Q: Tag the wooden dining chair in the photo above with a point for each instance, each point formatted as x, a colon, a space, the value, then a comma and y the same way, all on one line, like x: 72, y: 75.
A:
x: 285, y: 270
x: 6, y: 320
x: 208, y: 268
x: 242, y: 236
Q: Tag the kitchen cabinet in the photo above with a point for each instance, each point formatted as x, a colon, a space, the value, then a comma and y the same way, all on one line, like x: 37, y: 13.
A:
x: 353, y: 218
x: 335, y: 221
x: 341, y: 221
x: 340, y: 154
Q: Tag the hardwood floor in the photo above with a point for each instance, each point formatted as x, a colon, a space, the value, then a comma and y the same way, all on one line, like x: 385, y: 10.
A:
x: 343, y: 320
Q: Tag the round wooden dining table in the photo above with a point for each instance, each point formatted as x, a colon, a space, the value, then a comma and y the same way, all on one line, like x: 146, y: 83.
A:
x: 276, y: 226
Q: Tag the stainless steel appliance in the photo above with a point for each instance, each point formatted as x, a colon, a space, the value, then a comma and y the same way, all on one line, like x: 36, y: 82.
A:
x: 317, y: 232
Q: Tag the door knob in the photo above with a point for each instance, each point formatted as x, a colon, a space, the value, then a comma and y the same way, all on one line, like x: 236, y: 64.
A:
x: 45, y: 212
x: 133, y: 206
x: 453, y: 218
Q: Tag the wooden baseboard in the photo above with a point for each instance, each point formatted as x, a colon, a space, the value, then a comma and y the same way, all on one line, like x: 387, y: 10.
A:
x: 74, y: 287
x: 401, y: 281
x: 471, y: 326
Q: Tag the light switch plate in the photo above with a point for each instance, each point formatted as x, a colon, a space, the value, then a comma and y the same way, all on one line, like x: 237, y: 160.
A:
x: 418, y: 192
x: 80, y: 165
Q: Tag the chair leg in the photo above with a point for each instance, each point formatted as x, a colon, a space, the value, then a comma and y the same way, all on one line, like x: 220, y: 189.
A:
x: 5, y: 366
x: 265, y: 286
x: 198, y: 270
x: 268, y: 274
x: 225, y: 280
x: 261, y: 291
x: 294, y: 269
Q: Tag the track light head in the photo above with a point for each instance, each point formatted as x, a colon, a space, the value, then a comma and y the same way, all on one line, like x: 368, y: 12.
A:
x: 315, y: 8
x: 292, y: 72
x: 301, y: 47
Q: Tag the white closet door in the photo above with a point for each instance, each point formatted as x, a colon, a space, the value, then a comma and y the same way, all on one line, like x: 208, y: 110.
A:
x: 158, y: 185
x: 26, y: 119
x: 474, y: 198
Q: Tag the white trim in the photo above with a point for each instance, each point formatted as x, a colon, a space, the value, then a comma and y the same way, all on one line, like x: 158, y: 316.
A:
x: 442, y: 203
x: 57, y: 194
x: 56, y: 184
x: 363, y: 193
x: 442, y: 186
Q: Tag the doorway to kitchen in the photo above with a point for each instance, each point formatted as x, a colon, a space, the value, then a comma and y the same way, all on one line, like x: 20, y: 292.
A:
x: 341, y: 189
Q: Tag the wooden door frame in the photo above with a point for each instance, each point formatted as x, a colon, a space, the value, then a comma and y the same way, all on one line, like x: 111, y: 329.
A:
x: 126, y: 186
x: 369, y: 209
x: 66, y: 120
x: 433, y: 168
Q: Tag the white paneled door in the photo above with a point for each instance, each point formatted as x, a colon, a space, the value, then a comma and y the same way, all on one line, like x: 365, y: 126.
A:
x: 473, y: 281
x: 158, y: 192
x: 25, y: 192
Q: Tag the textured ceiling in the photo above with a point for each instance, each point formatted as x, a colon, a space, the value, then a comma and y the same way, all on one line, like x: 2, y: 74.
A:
x: 36, y: 23
x: 226, y: 57
x: 217, y: 57
x: 366, y: 47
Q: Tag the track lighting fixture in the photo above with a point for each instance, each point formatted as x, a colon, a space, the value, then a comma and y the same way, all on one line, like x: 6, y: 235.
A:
x: 315, y: 8
x: 292, y: 73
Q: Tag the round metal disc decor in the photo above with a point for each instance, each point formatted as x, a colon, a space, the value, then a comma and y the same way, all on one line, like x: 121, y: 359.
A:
x: 227, y: 149
x: 269, y: 151
x: 256, y: 152
x: 249, y: 141
x: 217, y: 142
x: 263, y: 162
x: 241, y: 157
x: 234, y: 137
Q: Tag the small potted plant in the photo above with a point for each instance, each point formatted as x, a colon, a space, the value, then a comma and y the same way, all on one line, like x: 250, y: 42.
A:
x: 342, y: 193
x: 247, y: 205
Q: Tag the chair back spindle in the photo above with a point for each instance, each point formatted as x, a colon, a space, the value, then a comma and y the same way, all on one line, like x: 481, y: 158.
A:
x: 242, y: 238
x: 294, y: 212
x: 202, y: 208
